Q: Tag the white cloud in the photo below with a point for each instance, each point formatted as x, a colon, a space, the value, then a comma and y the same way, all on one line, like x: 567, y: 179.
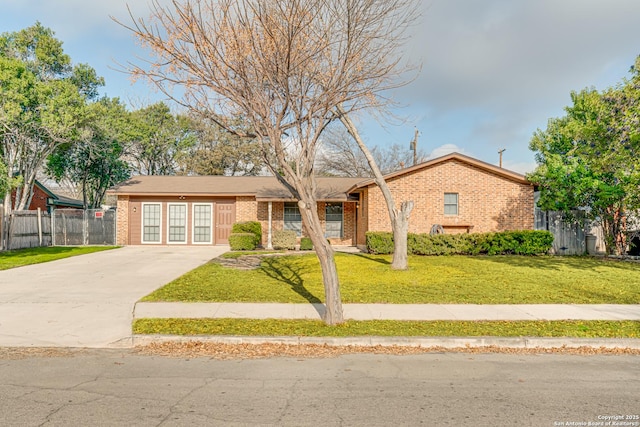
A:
x: 445, y: 149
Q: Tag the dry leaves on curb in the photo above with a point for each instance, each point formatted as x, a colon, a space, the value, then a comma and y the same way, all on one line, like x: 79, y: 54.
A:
x: 220, y: 351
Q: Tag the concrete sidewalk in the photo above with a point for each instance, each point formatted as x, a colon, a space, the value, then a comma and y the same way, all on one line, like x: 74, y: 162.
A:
x: 391, y: 311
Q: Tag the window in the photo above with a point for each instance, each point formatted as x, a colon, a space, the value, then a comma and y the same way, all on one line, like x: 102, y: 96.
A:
x: 151, y: 219
x: 451, y: 203
x: 202, y: 223
x: 334, y: 220
x: 177, y: 223
x: 292, y: 218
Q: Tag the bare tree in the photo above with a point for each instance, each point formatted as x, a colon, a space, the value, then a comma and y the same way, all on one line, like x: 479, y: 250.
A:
x: 340, y: 155
x: 284, y: 66
x: 399, y: 216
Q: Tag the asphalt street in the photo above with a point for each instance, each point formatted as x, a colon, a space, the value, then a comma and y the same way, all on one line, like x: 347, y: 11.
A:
x: 121, y: 388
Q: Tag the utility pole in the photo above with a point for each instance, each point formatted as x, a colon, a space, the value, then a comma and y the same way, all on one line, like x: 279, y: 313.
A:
x: 414, y: 147
x: 500, y: 152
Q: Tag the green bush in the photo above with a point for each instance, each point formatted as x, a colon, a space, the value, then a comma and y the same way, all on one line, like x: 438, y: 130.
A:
x: 306, y: 244
x: 242, y: 241
x: 284, y: 239
x: 523, y: 242
x: 379, y: 242
x: 438, y: 244
x: 253, y: 227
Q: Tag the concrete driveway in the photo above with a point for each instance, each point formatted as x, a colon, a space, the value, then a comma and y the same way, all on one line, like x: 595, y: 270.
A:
x: 88, y: 300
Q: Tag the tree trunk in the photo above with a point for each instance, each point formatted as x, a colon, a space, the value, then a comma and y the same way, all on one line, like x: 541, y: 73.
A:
x: 399, y: 219
x: 333, y: 302
x: 400, y: 232
x: 4, y: 237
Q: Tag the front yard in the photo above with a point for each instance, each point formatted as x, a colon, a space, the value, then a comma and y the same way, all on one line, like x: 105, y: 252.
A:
x: 430, y: 280
x: 22, y: 257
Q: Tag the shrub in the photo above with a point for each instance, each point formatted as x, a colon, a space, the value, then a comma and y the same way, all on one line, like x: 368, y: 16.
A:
x: 306, y: 244
x: 242, y: 241
x: 379, y: 242
x: 438, y: 244
x: 524, y: 242
x: 284, y: 239
x: 253, y: 227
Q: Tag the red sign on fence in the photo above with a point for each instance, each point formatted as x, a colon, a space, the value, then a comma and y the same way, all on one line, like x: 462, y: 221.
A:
x: 99, y: 214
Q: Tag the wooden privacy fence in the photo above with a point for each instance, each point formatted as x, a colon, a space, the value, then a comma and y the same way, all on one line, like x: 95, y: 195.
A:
x: 29, y: 229
x: 63, y: 227
x: 568, y: 236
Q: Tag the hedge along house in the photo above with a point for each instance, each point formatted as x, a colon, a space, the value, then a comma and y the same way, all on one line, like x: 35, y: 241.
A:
x: 455, y: 193
x: 200, y: 210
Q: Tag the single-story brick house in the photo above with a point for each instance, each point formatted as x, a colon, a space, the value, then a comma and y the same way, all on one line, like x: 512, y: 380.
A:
x: 456, y: 192
x: 47, y: 200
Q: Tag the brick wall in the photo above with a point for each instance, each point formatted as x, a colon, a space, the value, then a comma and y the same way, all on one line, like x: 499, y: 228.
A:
x: 122, y: 220
x: 246, y: 208
x: 486, y: 201
x: 39, y: 199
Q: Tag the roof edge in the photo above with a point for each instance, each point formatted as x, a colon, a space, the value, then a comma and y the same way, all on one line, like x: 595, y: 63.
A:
x: 506, y: 173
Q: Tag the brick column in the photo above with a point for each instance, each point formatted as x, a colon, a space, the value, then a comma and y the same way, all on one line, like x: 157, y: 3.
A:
x: 122, y: 221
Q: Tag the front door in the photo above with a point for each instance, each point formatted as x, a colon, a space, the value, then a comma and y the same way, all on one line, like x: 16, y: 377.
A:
x: 225, y: 216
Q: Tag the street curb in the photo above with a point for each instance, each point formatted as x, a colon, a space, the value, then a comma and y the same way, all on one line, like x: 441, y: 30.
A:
x: 424, y: 342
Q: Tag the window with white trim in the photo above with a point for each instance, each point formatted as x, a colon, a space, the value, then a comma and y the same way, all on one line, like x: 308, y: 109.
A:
x: 151, y: 220
x: 292, y: 218
x: 177, y: 223
x: 202, y: 223
x: 451, y: 203
x: 334, y: 220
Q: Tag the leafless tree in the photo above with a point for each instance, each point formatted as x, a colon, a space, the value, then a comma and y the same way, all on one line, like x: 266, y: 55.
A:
x: 398, y: 215
x: 284, y: 66
x: 340, y: 155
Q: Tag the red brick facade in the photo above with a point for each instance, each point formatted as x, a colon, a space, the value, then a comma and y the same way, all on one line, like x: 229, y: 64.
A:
x: 39, y: 199
x: 487, y: 200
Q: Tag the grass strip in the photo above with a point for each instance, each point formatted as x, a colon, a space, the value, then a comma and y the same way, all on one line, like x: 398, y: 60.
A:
x: 22, y: 257
x: 429, y: 280
x: 316, y: 328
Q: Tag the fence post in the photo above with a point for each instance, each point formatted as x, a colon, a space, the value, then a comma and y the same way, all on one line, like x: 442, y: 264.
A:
x: 2, y: 244
x: 85, y: 227
x: 39, y: 227
x: 53, y: 227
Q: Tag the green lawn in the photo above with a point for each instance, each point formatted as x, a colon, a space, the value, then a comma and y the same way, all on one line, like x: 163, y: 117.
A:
x: 438, y: 280
x: 22, y: 257
x: 316, y: 328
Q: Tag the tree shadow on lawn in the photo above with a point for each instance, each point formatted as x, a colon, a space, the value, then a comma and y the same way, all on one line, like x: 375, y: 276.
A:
x: 551, y: 262
x: 374, y: 258
x: 289, y: 275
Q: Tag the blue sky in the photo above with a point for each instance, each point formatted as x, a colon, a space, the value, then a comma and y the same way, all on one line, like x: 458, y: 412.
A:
x: 493, y: 71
